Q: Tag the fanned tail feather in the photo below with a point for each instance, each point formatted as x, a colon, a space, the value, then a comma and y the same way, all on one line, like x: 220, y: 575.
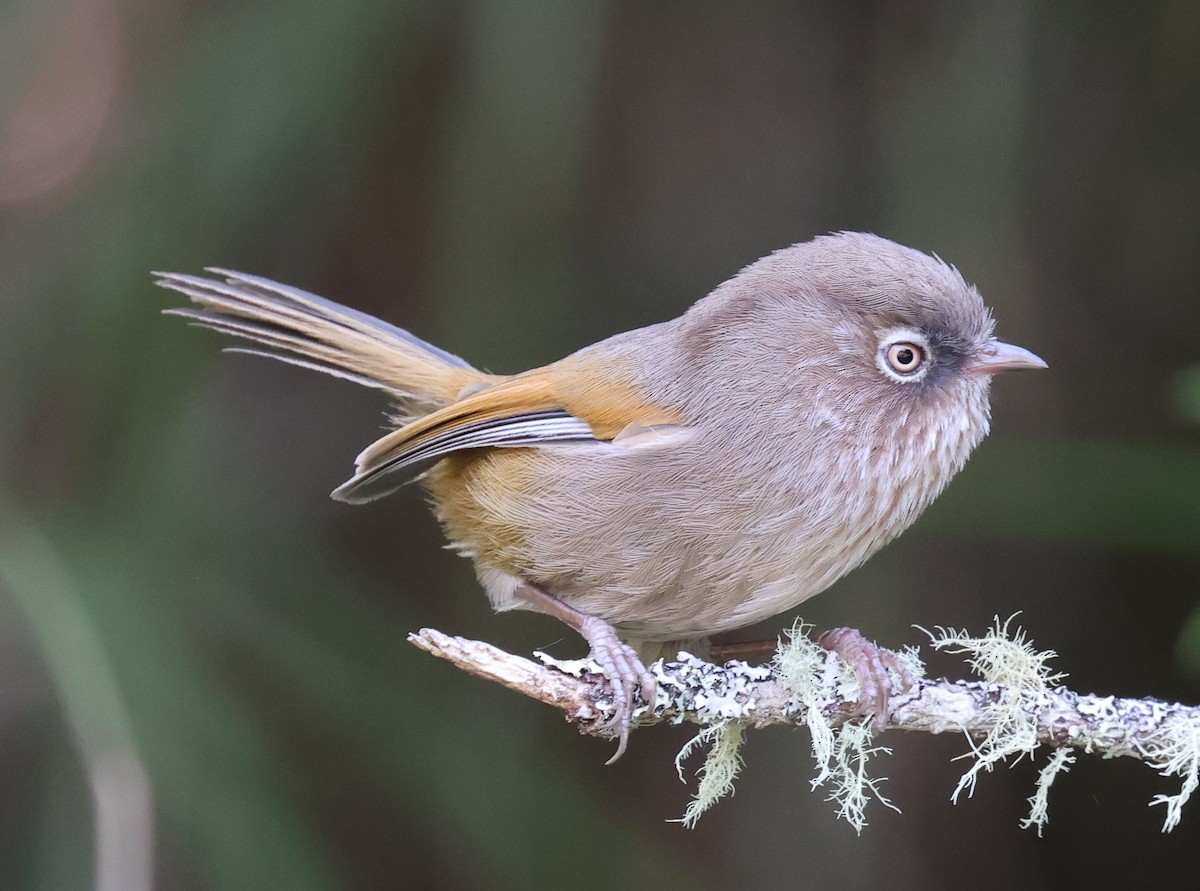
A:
x: 300, y: 328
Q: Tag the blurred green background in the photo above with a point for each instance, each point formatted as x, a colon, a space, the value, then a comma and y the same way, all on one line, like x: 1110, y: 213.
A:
x: 205, y: 678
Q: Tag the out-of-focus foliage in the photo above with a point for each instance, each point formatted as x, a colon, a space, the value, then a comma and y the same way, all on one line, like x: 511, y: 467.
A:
x: 1185, y: 395
x: 205, y: 676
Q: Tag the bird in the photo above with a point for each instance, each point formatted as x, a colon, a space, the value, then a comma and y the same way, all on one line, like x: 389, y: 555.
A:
x: 683, y: 479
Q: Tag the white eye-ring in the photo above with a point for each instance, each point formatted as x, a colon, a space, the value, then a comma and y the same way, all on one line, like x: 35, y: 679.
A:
x: 904, y: 358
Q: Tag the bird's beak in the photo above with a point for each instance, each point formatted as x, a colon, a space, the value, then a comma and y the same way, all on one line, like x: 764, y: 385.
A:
x: 997, y: 355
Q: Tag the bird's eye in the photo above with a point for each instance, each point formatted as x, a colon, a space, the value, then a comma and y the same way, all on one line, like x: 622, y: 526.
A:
x: 905, y: 358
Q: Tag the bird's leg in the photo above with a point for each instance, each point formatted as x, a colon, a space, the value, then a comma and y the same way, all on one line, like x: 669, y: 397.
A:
x: 871, y: 664
x: 617, y: 659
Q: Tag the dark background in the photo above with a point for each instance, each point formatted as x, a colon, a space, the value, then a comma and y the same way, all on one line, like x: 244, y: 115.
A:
x: 202, y: 658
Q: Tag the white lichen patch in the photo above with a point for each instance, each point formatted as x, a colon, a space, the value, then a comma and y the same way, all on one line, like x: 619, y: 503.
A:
x: 576, y: 668
x: 1022, y: 682
x: 719, y: 697
x: 708, y: 693
x: 713, y: 693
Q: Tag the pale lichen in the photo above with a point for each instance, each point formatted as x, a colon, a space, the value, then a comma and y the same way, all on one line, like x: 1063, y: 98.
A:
x: 818, y: 680
x: 843, y: 753
x: 1000, y: 656
x: 1039, y: 801
x: 721, y: 766
x: 1013, y: 710
x: 1022, y: 682
x: 852, y: 788
x: 1175, y: 750
x: 802, y: 663
x: 720, y: 698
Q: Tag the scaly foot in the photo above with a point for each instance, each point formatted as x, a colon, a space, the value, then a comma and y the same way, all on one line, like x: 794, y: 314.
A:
x: 871, y: 663
x: 617, y: 659
x: 625, y: 672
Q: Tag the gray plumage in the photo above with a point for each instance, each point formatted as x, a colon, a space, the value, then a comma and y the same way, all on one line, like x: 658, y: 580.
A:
x: 689, y: 477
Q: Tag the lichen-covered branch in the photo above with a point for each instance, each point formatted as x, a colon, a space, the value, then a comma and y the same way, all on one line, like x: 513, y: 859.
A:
x: 1015, y: 707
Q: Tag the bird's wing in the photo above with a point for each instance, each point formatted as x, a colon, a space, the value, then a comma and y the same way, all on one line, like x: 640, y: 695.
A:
x: 576, y: 400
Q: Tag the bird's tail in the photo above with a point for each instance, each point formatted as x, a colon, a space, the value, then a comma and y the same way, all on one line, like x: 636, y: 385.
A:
x: 303, y: 329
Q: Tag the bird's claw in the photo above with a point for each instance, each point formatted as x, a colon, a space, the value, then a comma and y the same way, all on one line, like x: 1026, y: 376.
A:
x: 625, y: 672
x: 871, y: 664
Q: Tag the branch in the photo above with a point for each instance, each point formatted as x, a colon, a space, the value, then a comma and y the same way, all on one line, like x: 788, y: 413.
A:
x: 1016, y: 707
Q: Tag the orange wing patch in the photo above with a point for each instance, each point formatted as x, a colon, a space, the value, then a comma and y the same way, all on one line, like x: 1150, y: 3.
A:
x: 597, y: 392
x: 575, y: 399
